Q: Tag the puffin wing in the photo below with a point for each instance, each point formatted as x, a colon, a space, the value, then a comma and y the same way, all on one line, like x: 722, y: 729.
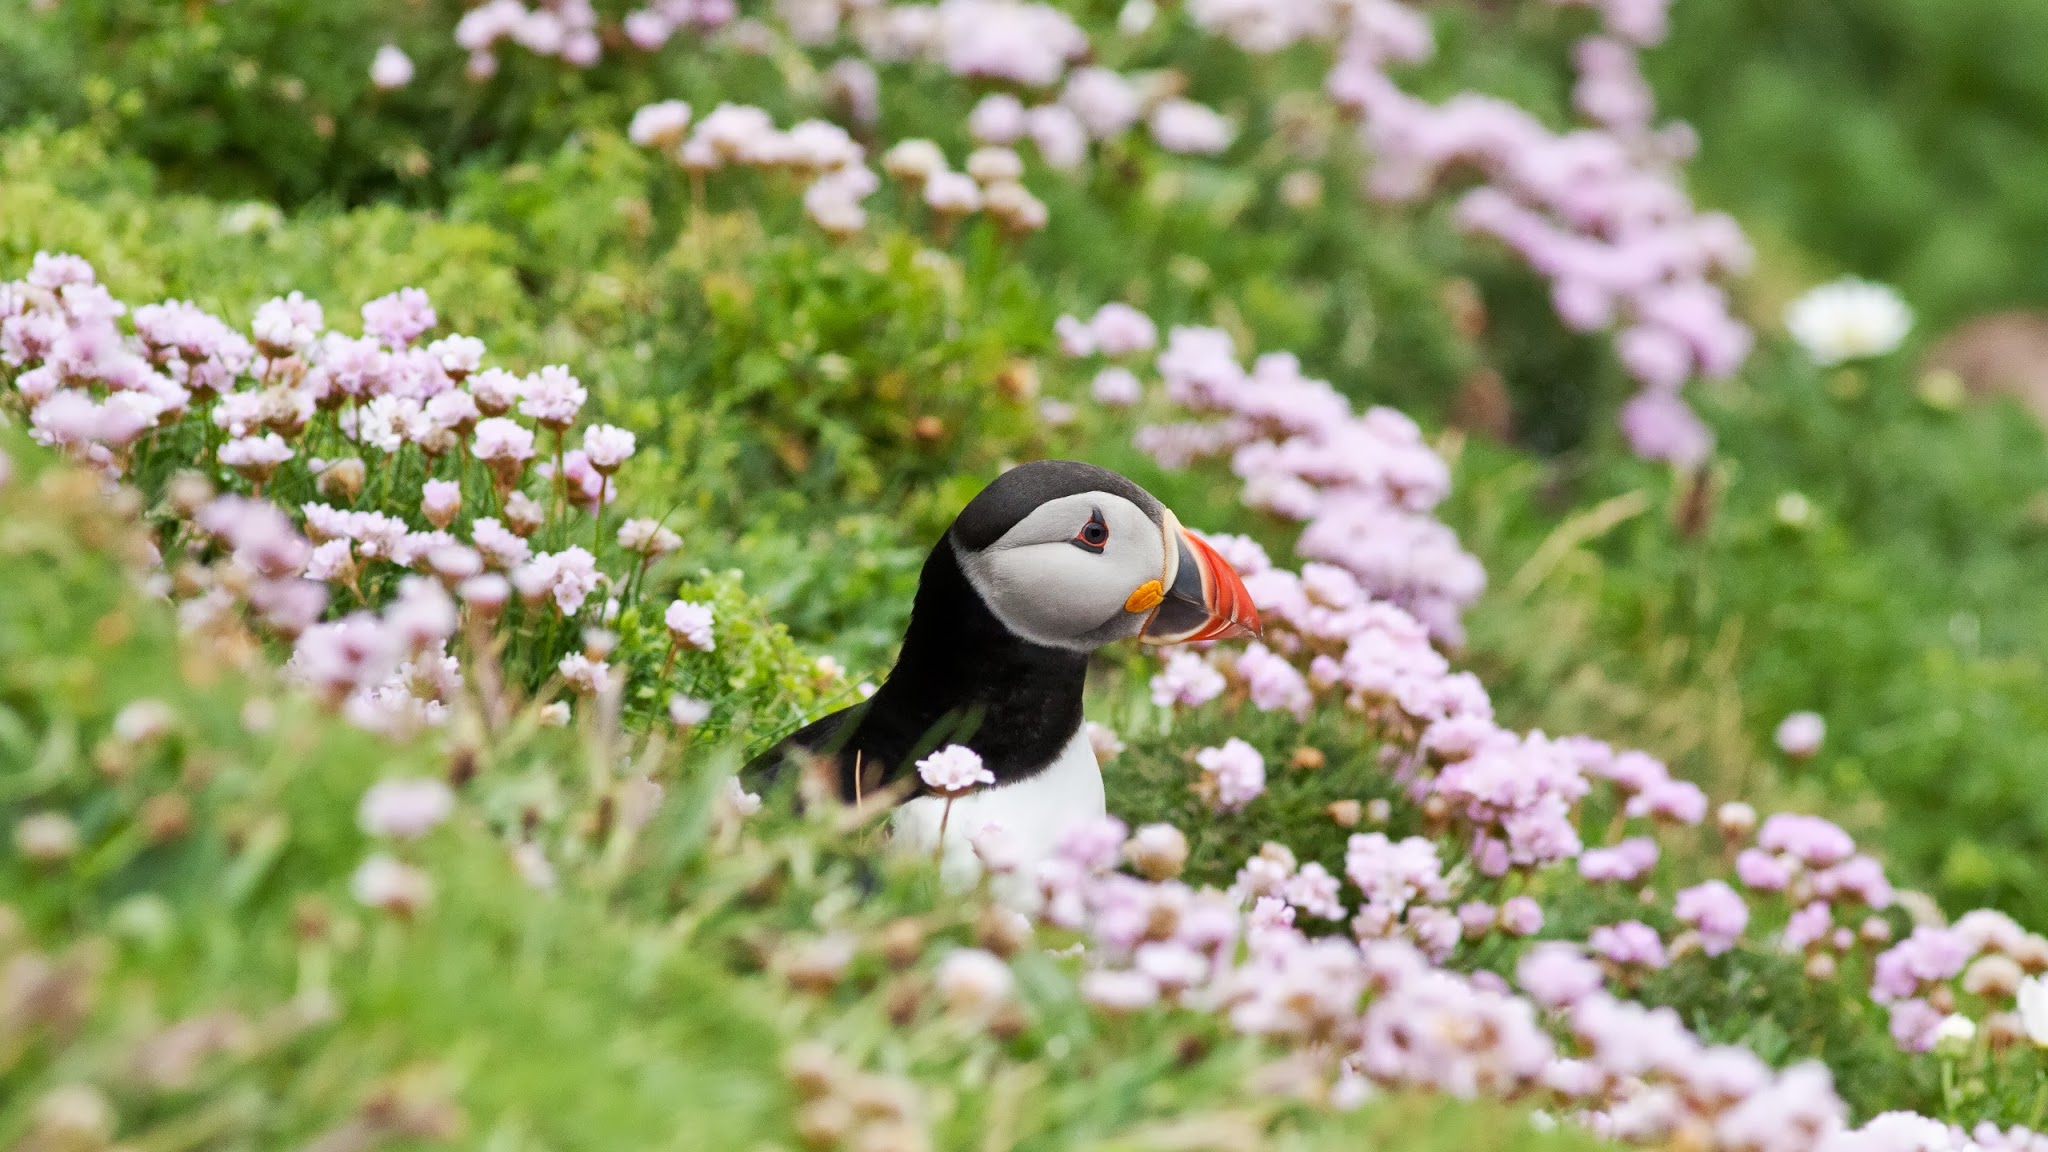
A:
x: 826, y: 737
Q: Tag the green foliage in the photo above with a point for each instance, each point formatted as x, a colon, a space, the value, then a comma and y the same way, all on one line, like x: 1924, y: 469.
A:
x: 1899, y: 139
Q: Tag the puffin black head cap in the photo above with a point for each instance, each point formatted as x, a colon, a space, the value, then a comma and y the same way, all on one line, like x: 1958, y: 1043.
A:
x: 1071, y: 555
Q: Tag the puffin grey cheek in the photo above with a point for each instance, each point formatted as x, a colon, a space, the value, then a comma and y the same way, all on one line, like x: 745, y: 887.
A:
x: 1060, y: 595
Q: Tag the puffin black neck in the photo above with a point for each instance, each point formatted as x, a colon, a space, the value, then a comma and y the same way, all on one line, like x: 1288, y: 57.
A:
x: 964, y: 678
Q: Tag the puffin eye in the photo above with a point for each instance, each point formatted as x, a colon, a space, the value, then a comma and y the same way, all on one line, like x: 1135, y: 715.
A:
x: 1094, y: 535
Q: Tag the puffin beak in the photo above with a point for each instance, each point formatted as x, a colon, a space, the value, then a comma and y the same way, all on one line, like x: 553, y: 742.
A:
x: 1206, y: 601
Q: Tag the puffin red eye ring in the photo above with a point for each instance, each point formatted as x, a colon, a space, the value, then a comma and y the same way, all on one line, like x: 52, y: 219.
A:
x: 1094, y: 535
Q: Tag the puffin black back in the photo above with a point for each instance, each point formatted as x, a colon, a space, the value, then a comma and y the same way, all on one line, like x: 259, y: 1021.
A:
x: 961, y: 677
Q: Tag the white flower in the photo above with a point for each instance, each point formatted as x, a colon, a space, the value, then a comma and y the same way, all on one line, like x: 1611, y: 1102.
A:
x: 689, y: 625
x: 1849, y: 319
x: 143, y: 721
x: 687, y: 711
x: 1800, y: 734
x: 582, y: 673
x: 2033, y: 1005
x: 404, y: 809
x: 531, y: 862
x: 953, y: 769
x: 392, y: 68
x: 382, y: 882
x: 660, y: 125
x: 741, y: 801
x: 1955, y: 1033
x: 973, y: 981
x: 1104, y: 740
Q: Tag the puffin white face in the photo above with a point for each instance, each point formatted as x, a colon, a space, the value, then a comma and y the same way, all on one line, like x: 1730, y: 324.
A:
x: 1079, y: 571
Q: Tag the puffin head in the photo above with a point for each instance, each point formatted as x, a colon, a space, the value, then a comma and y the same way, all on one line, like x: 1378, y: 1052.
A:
x: 1073, y: 556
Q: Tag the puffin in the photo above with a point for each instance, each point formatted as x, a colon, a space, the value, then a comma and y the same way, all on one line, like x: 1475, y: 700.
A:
x: 1052, y: 561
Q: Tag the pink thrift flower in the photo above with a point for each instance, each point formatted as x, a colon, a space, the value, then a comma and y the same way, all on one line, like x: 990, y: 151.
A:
x: 400, y: 318
x: 1927, y: 957
x: 1800, y: 734
x: 1521, y: 916
x: 404, y: 809
x: 384, y: 883
x: 660, y: 126
x: 1716, y: 911
x: 499, y: 441
x: 1670, y: 801
x: 998, y: 119
x: 441, y: 501
x: 1556, y: 975
x: 1762, y: 871
x: 1075, y: 338
x: 953, y: 769
x: 391, y: 68
x: 552, y: 397
x: 1815, y: 842
x: 973, y: 982
x: 687, y: 711
x: 1915, y: 1025
x: 1808, y: 926
x: 1625, y: 863
x: 1630, y: 943
x: 1116, y: 387
x: 1180, y: 125
x: 1187, y: 681
x: 1119, y: 993
x: 689, y: 625
x: 1237, y: 772
x: 1121, y: 330
x: 607, y: 447
x: 569, y: 576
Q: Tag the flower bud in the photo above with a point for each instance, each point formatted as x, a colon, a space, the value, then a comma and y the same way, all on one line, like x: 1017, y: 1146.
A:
x: 903, y: 941
x: 1002, y: 931
x: 343, y: 481
x: 1993, y: 977
x: 523, y: 514
x: 73, y: 1118
x: 974, y: 982
x: 441, y: 502
x: 2004, y: 1030
x: 165, y: 817
x: 187, y: 493
x: 812, y: 1069
x: 818, y: 965
x: 46, y: 837
x: 823, y: 1124
x: 1157, y: 851
x: 1737, y: 821
x: 486, y: 595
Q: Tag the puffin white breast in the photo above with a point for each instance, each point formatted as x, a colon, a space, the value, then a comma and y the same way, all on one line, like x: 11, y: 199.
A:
x: 1031, y: 816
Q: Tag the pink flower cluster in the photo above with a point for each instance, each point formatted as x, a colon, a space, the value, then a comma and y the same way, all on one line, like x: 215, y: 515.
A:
x: 1598, y: 211
x: 564, y: 29
x: 1379, y: 1011
x: 390, y: 403
x: 1010, y: 41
